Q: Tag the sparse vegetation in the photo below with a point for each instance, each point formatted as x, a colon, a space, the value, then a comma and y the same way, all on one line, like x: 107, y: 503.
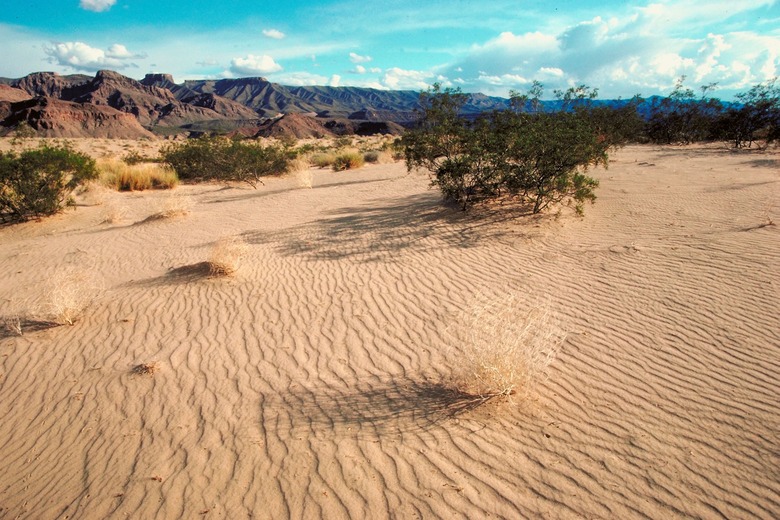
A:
x: 172, y: 207
x: 349, y: 160
x: 226, y: 256
x: 508, y: 348
x: 323, y: 159
x: 140, y: 176
x: 220, y: 159
x: 147, y: 369
x: 539, y: 158
x: 39, y: 182
x: 70, y: 290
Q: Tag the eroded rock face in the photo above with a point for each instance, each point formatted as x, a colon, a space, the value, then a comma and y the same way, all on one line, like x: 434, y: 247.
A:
x: 51, y: 117
x: 13, y: 95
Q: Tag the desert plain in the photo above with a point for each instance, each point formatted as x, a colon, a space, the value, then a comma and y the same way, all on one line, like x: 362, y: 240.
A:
x: 315, y: 382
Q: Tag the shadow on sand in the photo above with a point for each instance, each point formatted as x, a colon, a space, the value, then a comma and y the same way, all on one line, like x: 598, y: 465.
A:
x: 371, y: 408
x: 378, y: 231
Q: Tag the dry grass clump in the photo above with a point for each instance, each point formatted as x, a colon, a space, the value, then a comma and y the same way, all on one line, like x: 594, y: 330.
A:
x: 349, y: 160
x: 122, y: 176
x: 508, y: 348
x: 172, y: 207
x: 70, y: 290
x: 323, y: 159
x: 226, y: 256
x: 147, y: 369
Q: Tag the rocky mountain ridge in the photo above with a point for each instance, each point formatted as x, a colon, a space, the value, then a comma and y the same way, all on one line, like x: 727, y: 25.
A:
x: 163, y: 107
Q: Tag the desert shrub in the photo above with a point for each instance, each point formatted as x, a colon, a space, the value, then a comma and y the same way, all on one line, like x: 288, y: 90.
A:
x: 40, y: 181
x: 506, y: 347
x: 682, y: 118
x: 215, y: 158
x: 756, y: 118
x: 348, y: 161
x: 70, y: 290
x: 538, y: 157
x: 135, y: 157
x: 372, y: 156
x: 323, y: 159
x: 124, y: 176
x: 226, y: 256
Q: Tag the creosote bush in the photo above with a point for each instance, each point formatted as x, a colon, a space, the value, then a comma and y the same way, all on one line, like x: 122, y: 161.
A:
x: 39, y: 182
x: 221, y: 159
x: 537, y: 157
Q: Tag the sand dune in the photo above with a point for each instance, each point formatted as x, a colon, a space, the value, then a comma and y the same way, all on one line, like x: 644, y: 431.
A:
x: 309, y: 384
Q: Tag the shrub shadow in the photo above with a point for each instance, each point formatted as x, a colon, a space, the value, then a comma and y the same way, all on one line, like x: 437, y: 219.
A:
x: 179, y: 275
x: 378, y: 231
x: 9, y: 324
x: 370, y: 408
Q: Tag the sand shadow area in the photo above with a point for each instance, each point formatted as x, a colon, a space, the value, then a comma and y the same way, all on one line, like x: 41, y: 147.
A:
x: 368, y: 408
x: 378, y: 231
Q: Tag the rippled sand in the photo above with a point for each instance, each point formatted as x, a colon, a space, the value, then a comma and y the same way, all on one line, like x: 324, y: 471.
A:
x: 308, y: 385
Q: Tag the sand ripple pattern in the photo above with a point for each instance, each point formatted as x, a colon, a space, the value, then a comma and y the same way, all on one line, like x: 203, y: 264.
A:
x: 310, y: 384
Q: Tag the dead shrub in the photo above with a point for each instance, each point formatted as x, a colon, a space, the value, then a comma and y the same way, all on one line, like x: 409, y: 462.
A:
x: 69, y: 291
x: 226, y: 256
x: 508, y: 348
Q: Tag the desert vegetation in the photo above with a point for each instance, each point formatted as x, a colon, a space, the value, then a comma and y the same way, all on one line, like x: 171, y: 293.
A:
x: 226, y: 256
x: 221, y: 159
x: 506, y: 349
x: 39, y: 182
x: 537, y: 157
x: 136, y: 176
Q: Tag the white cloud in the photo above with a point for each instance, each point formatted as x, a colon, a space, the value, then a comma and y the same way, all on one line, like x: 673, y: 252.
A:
x: 80, y: 56
x: 645, y: 50
x: 253, y: 65
x: 399, y: 79
x: 97, y: 6
x: 357, y: 58
x: 335, y: 80
x: 273, y: 33
x: 300, y: 79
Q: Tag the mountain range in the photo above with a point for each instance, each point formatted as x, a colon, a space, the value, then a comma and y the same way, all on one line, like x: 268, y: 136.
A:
x: 115, y: 106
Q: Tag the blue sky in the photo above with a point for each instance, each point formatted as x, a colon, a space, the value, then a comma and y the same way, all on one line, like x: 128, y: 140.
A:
x: 623, y: 48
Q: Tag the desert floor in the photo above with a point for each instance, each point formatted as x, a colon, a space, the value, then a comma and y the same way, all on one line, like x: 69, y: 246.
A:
x: 308, y: 384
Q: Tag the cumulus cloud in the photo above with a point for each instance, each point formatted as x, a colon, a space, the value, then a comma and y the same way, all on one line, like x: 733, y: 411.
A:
x: 80, y: 56
x: 645, y: 51
x: 335, y: 80
x: 97, y: 6
x: 400, y: 79
x: 253, y: 65
x: 274, y: 34
x: 357, y: 58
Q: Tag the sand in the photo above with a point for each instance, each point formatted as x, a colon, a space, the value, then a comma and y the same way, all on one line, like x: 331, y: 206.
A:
x: 307, y: 385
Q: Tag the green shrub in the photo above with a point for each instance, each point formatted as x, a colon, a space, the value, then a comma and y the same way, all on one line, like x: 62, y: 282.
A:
x: 214, y: 158
x: 348, y: 161
x: 537, y: 157
x: 39, y: 182
x: 371, y: 156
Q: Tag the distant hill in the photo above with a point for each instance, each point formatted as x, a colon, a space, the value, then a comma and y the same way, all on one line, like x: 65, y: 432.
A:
x: 246, y: 106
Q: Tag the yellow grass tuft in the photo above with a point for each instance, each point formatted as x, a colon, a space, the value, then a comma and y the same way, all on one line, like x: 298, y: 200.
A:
x: 121, y: 176
x: 226, y: 256
x: 508, y: 348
